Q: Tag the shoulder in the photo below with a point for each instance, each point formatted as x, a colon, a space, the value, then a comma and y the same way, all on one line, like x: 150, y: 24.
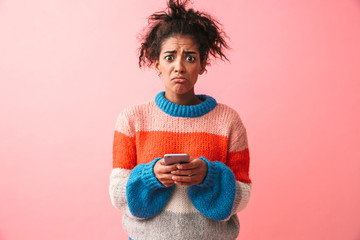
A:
x: 236, y: 130
x: 228, y: 113
x: 133, y: 111
x: 228, y: 118
x: 129, y: 115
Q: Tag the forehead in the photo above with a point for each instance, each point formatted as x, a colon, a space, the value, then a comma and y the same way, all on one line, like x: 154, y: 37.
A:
x: 178, y: 42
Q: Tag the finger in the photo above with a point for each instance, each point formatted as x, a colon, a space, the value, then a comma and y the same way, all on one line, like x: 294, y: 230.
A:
x: 185, y: 172
x: 167, y: 168
x: 166, y: 181
x: 168, y: 184
x: 185, y: 166
x: 165, y: 177
x: 185, y: 179
x: 162, y: 162
x: 194, y: 163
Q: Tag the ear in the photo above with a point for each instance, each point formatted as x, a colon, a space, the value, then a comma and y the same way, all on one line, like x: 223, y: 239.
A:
x: 203, y: 67
x: 157, y: 66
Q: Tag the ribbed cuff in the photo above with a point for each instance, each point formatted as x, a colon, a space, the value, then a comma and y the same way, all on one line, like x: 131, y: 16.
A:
x: 148, y: 175
x: 210, y: 178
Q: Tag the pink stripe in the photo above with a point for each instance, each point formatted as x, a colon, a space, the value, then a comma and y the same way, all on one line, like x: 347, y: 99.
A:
x: 221, y: 121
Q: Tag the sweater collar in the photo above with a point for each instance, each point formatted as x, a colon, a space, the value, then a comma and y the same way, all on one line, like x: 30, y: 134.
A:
x: 192, y: 111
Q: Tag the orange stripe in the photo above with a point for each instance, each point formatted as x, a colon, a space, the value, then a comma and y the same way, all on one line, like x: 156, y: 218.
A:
x: 124, y: 151
x: 239, y: 163
x: 155, y: 144
x: 151, y: 145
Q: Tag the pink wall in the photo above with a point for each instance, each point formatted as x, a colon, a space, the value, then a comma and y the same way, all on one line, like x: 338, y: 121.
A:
x: 67, y: 68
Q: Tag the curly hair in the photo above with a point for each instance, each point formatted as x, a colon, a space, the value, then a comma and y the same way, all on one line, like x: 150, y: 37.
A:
x: 201, y: 27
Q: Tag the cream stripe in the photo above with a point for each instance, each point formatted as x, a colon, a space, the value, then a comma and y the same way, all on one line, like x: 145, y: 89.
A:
x: 180, y: 201
x: 243, y: 191
x: 117, y: 190
x: 242, y: 197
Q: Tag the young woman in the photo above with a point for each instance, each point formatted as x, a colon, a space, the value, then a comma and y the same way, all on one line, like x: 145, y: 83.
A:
x: 194, y: 200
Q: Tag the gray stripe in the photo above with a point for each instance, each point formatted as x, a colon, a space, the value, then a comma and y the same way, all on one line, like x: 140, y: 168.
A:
x: 180, y: 226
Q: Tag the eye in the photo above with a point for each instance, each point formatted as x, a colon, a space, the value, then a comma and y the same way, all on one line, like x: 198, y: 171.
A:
x: 190, y: 58
x: 169, y: 58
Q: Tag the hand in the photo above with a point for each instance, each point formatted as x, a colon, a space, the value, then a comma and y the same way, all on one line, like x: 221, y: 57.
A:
x: 191, y: 173
x: 163, y: 173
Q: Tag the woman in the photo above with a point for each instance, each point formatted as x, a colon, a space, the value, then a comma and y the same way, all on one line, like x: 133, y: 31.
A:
x: 195, y: 200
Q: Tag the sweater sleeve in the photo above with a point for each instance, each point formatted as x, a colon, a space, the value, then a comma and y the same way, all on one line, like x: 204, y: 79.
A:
x: 215, y: 196
x: 134, y: 188
x: 138, y: 193
x: 226, y: 189
x: 238, y: 160
x: 146, y: 196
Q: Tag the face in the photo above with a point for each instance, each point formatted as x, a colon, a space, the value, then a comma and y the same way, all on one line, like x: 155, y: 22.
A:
x: 179, y: 64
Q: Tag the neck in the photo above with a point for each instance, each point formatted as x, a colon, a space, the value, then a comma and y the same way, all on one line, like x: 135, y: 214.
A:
x: 186, y: 99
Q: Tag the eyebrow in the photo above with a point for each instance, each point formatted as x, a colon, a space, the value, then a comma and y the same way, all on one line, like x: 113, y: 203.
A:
x: 186, y: 52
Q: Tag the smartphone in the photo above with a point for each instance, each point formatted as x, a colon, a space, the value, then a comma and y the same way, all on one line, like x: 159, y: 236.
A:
x: 176, y: 158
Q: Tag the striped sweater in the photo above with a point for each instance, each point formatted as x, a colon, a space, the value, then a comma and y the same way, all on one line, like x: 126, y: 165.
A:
x: 210, y: 131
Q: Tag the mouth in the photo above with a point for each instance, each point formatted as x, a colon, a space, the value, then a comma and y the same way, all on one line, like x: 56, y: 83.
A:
x: 179, y: 79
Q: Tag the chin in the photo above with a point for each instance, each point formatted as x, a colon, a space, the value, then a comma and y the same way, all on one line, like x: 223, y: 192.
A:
x: 180, y: 90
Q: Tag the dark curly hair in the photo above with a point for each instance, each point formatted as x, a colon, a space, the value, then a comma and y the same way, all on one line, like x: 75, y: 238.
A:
x: 201, y: 27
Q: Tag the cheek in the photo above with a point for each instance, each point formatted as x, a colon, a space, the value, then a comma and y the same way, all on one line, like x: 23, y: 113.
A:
x: 165, y: 68
x: 195, y: 71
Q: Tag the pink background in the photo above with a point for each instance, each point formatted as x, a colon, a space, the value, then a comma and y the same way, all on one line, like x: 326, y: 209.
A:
x: 67, y: 68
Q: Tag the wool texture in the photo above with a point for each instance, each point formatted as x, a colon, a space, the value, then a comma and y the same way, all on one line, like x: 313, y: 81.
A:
x: 210, y: 131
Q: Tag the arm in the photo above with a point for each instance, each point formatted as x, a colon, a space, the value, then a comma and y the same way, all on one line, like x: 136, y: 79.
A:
x: 133, y: 188
x: 226, y: 188
x: 214, y: 197
x: 238, y: 160
x: 138, y: 193
x: 220, y: 195
x: 145, y: 194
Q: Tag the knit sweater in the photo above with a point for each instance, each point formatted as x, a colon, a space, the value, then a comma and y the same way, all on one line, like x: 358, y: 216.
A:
x: 210, y: 131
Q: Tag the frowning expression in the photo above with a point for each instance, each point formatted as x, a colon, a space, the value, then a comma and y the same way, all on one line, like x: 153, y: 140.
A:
x: 179, y: 64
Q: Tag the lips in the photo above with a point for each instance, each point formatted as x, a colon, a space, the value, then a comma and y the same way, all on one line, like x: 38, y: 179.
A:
x: 179, y: 79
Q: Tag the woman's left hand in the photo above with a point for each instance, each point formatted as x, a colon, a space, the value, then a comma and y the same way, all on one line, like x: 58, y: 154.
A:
x: 191, y: 173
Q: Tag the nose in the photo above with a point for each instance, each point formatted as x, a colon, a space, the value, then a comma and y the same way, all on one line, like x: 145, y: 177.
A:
x: 179, y: 66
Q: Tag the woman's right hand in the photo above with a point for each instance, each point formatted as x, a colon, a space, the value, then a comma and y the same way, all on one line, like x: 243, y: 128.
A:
x: 163, y: 172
